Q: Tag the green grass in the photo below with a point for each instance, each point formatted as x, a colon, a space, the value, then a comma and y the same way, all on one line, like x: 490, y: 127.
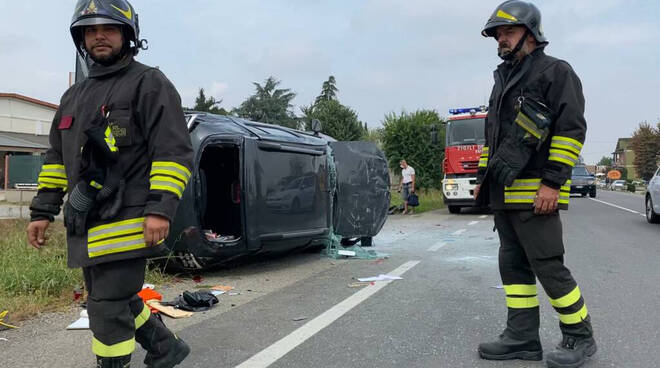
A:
x: 429, y: 200
x: 34, y: 281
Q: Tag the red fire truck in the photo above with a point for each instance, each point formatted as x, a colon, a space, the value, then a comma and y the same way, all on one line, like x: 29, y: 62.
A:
x: 464, y: 142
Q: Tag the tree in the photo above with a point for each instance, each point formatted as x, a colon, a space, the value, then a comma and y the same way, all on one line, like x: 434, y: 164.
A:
x: 646, y: 145
x: 269, y: 104
x: 328, y: 91
x: 208, y: 104
x: 337, y: 120
x: 605, y: 161
x: 408, y: 136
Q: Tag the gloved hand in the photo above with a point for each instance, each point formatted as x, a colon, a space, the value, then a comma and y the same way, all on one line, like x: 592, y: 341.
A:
x: 101, y: 138
x: 111, y: 197
x: 81, y: 200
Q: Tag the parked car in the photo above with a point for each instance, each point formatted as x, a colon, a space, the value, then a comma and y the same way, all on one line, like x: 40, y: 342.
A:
x: 583, y: 182
x: 652, y: 199
x: 618, y: 185
x: 260, y: 188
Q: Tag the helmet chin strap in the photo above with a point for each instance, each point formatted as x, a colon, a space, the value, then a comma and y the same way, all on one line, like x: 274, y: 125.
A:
x: 511, y: 54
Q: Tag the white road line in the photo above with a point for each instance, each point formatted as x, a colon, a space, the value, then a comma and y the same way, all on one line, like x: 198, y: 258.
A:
x: 473, y: 223
x: 619, y: 207
x: 483, y: 216
x: 436, y: 247
x: 276, y: 351
x: 459, y: 232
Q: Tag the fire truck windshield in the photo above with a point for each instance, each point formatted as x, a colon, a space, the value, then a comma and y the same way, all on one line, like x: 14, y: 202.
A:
x: 464, y: 132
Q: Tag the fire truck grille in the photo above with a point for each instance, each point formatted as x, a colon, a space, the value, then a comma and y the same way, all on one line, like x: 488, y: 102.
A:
x: 470, y: 165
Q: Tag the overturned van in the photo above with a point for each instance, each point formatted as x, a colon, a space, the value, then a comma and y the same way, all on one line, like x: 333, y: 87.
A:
x: 258, y: 188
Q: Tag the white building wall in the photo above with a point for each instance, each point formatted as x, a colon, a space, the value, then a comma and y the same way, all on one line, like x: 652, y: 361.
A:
x: 18, y: 116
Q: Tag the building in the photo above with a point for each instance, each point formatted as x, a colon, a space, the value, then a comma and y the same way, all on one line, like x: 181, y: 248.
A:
x: 624, y: 157
x: 24, y: 126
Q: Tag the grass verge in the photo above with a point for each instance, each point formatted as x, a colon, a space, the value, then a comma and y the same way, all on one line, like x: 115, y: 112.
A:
x: 429, y: 200
x: 34, y: 281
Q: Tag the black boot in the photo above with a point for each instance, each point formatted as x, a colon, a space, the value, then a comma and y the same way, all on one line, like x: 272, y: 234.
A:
x: 507, y: 348
x: 115, y: 362
x: 164, y: 349
x: 572, y: 352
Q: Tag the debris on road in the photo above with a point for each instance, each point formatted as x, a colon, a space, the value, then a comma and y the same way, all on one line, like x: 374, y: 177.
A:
x: 3, y: 339
x: 224, y: 288
x: 359, y: 284
x: 497, y: 287
x: 194, y: 301
x: 149, y: 286
x: 299, y: 319
x: 168, y: 310
x: 381, y: 277
x: 81, y: 323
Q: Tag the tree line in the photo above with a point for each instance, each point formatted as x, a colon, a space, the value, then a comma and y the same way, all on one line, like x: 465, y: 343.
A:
x: 402, y: 136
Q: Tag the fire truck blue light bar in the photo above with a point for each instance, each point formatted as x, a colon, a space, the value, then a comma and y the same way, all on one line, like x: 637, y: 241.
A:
x: 467, y: 110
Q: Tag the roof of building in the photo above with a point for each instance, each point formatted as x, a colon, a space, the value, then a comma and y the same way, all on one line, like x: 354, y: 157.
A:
x: 622, y: 144
x: 24, y: 141
x: 29, y: 99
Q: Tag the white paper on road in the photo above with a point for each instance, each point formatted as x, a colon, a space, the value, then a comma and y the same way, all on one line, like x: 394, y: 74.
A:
x: 217, y: 292
x: 82, y: 323
x: 349, y: 253
x: 381, y: 277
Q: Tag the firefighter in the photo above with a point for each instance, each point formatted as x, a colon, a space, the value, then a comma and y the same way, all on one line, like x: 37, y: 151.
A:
x: 534, y: 133
x: 121, y: 150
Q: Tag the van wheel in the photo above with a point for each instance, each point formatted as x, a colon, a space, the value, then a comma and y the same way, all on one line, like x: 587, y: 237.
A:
x: 651, y: 216
x: 454, y: 209
x: 366, y: 241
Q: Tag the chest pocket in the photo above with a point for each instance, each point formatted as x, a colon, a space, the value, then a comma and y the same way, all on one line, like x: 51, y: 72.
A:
x: 122, y: 124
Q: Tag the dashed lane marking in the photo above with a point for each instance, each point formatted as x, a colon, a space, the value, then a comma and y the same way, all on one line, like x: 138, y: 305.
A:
x: 473, y: 223
x: 279, y: 349
x: 436, y: 247
x: 459, y: 232
x: 619, y: 207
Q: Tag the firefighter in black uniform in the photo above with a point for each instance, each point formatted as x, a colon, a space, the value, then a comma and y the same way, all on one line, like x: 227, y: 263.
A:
x: 121, y: 150
x: 534, y: 133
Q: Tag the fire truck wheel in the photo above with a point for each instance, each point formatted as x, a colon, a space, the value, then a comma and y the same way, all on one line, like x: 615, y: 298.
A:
x: 454, y: 209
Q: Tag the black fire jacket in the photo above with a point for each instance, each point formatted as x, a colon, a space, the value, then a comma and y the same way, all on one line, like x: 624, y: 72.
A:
x: 554, y: 83
x: 148, y: 124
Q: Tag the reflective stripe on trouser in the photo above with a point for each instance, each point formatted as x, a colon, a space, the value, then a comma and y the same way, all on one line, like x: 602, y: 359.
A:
x: 521, y: 262
x: 115, y: 310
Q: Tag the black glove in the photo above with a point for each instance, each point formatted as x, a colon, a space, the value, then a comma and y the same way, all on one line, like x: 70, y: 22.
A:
x: 101, y: 138
x: 111, y: 197
x: 81, y: 200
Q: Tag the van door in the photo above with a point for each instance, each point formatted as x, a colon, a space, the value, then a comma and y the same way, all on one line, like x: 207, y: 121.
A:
x: 363, y: 189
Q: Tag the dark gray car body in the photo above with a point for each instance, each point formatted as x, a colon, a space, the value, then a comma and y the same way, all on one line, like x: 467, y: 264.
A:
x: 260, y: 188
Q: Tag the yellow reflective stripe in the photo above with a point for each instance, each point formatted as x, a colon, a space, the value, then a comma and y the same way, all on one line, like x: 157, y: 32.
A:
x: 567, y: 300
x: 111, y: 351
x: 95, y: 229
x: 566, y: 143
x: 167, y: 188
x: 53, y: 173
x: 122, y: 240
x: 53, y: 167
x: 54, y: 181
x: 528, y: 125
x: 160, y: 178
x: 167, y: 164
x: 97, y: 238
x: 485, y: 149
x: 520, y: 194
x: 573, y: 318
x: 565, y: 153
x: 562, y: 160
x: 521, y: 289
x: 142, y: 318
x: 176, y: 174
x: 110, y: 140
x: 96, y: 185
x: 51, y: 186
x: 502, y: 14
x: 519, y: 303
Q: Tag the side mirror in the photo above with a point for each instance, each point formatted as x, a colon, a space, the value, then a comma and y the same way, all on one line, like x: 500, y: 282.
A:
x: 316, y: 126
x: 434, y: 135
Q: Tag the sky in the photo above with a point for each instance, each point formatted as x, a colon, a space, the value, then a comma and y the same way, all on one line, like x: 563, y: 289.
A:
x: 386, y: 55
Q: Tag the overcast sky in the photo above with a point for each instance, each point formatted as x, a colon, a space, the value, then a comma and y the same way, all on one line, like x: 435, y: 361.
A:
x: 386, y: 55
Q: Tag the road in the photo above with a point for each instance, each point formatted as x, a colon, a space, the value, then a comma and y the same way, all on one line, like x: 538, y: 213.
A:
x: 302, y: 313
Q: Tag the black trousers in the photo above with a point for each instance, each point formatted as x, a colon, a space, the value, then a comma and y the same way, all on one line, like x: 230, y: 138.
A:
x: 114, y: 308
x: 531, y: 247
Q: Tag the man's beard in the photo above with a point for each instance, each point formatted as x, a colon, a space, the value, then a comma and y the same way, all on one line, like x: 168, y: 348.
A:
x: 108, y: 60
x: 503, y: 51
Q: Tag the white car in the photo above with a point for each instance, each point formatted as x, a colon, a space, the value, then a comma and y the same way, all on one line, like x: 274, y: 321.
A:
x: 618, y: 185
x: 652, y: 199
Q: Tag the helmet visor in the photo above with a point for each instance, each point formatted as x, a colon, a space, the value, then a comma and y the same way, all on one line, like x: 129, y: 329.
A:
x: 96, y: 20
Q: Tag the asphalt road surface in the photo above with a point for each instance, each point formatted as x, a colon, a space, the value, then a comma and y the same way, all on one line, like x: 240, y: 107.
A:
x: 299, y: 311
